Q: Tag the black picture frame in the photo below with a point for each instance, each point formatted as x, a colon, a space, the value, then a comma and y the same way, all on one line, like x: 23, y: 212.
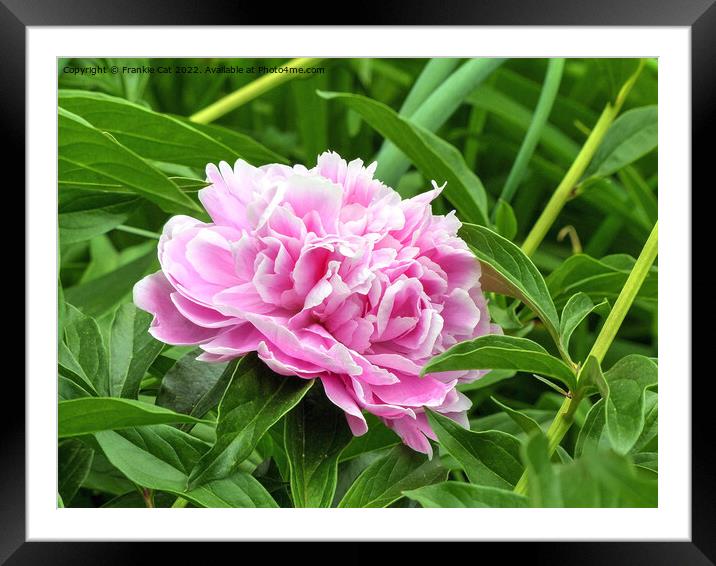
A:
x: 698, y: 15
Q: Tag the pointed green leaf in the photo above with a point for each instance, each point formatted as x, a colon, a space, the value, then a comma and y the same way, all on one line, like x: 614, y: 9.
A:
x: 385, y: 480
x: 501, y: 352
x: 524, y: 421
x: 255, y: 399
x: 543, y: 486
x: 91, y: 414
x: 315, y: 434
x: 131, y: 351
x: 452, y: 494
x: 628, y: 381
x: 194, y: 387
x: 99, y: 296
x: 489, y: 458
x: 161, y: 137
x: 160, y: 457
x: 575, y: 311
x: 598, y: 278
x: 74, y: 459
x: 591, y: 436
x: 86, y: 154
x: 82, y: 353
x: 505, y: 220
x: 606, y: 479
x: 630, y: 137
x: 435, y: 158
x: 379, y: 436
x: 507, y: 270
x: 83, y: 215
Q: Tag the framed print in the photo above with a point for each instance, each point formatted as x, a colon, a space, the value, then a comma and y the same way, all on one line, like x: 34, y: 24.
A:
x: 402, y: 280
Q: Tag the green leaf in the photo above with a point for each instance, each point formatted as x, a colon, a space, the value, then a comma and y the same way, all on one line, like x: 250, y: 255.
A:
x: 503, y: 422
x: 563, y: 455
x: 135, y: 500
x: 435, y: 158
x: 550, y: 87
x: 68, y: 389
x: 434, y: 74
x: 315, y: 434
x: 245, y: 146
x: 524, y: 421
x: 74, y: 459
x: 543, y: 486
x: 103, y: 258
x: 606, y: 479
x: 377, y: 438
x: 85, y: 154
x: 575, y: 311
x: 82, y: 353
x: 648, y: 440
x: 385, y: 480
x: 552, y: 139
x: 624, y: 399
x: 157, y: 136
x: 193, y: 387
x: 311, y: 116
x: 238, y: 490
x: 83, y: 215
x: 591, y: 436
x: 599, y: 279
x: 648, y: 460
x: 505, y: 220
x: 255, y: 399
x: 131, y: 351
x: 160, y: 457
x: 452, y: 494
x: 630, y: 137
x: 489, y: 458
x: 442, y: 98
x: 501, y: 352
x: 98, y: 296
x: 91, y: 414
x: 106, y: 478
x: 507, y: 270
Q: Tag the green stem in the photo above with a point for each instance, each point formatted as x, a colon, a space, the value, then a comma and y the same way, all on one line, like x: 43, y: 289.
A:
x: 148, y: 496
x: 250, y: 91
x: 565, y: 189
x: 565, y: 416
x: 137, y: 231
x: 552, y: 80
x: 626, y: 296
x: 179, y: 503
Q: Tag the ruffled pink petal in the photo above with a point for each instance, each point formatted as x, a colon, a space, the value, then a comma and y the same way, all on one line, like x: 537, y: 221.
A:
x: 153, y: 295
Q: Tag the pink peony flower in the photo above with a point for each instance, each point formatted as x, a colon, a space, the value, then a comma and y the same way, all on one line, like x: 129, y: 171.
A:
x: 326, y: 273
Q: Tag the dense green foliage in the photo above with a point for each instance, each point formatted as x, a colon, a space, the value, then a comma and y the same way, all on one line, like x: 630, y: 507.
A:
x: 551, y: 166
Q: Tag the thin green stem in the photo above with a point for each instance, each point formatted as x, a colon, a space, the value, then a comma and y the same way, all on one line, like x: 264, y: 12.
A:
x: 565, y: 189
x: 552, y: 80
x: 179, y: 503
x: 137, y: 231
x: 626, y: 296
x: 252, y: 90
x: 565, y: 416
x: 148, y: 496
